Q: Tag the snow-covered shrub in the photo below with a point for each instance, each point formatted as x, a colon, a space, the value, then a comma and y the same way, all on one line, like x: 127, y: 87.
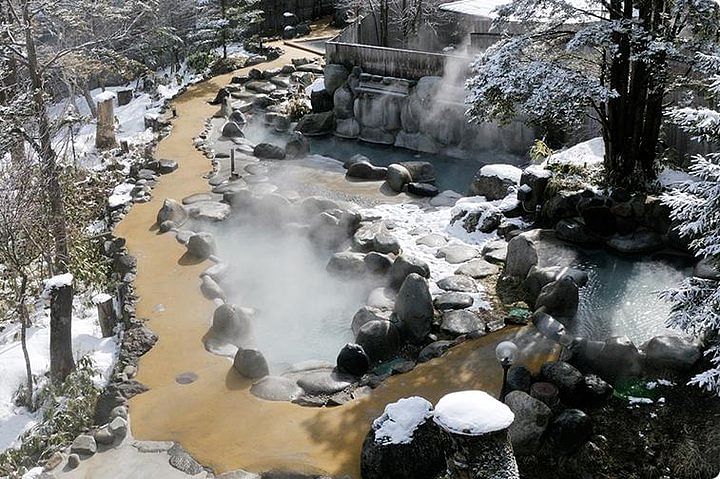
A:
x: 696, y: 206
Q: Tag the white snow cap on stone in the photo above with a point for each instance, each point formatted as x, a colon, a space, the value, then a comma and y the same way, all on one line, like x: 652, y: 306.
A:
x: 472, y: 413
x: 101, y: 298
x: 401, y: 419
x: 105, y: 96
x: 505, y: 172
x: 587, y: 153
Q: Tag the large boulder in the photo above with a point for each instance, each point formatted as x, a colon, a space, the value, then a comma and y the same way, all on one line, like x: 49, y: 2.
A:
x: 353, y: 360
x: 347, y: 263
x: 366, y: 314
x: 420, y: 171
x: 375, y: 236
x: 462, y: 321
x: 414, y: 308
x: 397, y: 177
x: 531, y: 419
x: 612, y: 359
x: 297, y: 146
x: 232, y: 130
x: 493, y: 181
x: 267, y: 151
x: 173, y: 211
x: 566, y: 377
x: 638, y: 242
x: 560, y: 298
x: 536, y: 178
x: 670, y: 352
x: 201, y: 245
x: 344, y: 102
x: 536, y: 247
x: 250, y: 363
x: 379, y: 339
x: 335, y: 75
x: 404, y: 443
x: 570, y: 430
x: 230, y: 324
x: 366, y: 171
x: 403, y: 266
x: 316, y: 124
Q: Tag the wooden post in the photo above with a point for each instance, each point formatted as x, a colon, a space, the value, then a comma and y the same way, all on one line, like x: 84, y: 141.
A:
x: 61, y: 357
x: 106, y: 314
x: 105, y: 133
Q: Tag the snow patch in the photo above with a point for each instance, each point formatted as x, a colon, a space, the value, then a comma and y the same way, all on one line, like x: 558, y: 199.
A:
x: 472, y: 413
x: 105, y: 96
x: 400, y: 420
x: 586, y: 154
x: 502, y: 171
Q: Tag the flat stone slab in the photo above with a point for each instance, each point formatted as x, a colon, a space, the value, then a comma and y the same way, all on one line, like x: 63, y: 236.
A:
x: 323, y: 382
x: 456, y: 254
x: 460, y: 283
x: 209, y: 211
x: 276, y: 388
x: 432, y: 241
x: 462, y: 322
x: 231, y: 186
x: 478, y: 268
x: 450, y: 301
x: 495, y: 251
x: 153, y: 446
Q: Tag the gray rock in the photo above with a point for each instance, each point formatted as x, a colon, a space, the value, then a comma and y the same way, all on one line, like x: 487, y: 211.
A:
x: 566, y: 377
x: 432, y: 240
x: 462, y: 322
x: 455, y: 254
x: 492, y: 184
x: 434, y: 350
x: 239, y: 474
x: 334, y: 76
x: 367, y: 314
x: 570, y: 430
x: 536, y: 178
x: 316, y: 124
x: 366, y: 171
x: 450, y: 301
x: 612, y: 359
x: 297, y: 146
x: 118, y: 427
x: 237, y: 117
x: 382, y: 298
x: 548, y: 326
x: 477, y: 269
x: 321, y: 382
x: 232, y: 130
x: 378, y: 263
x: 119, y: 411
x: 344, y: 100
x: 103, y: 437
x: 212, y: 211
x: 495, y: 251
x: 403, y: 266
x: 353, y: 360
x: 706, y: 269
x: 519, y: 378
x: 166, y: 226
x: 263, y: 87
x: 182, y: 461
x: 641, y: 241
x: 531, y: 420
x: 420, y: 171
x: 210, y: 289
x: 201, y: 245
x: 484, y: 218
x: 575, y: 232
x: 149, y: 447
x: 459, y: 283
x: 424, y: 190
x: 414, y: 308
x: 250, y: 363
x: 397, y: 177
x: 232, y: 186
x: 268, y: 151
x: 347, y: 128
x: 276, y: 388
x: 188, y: 200
x: 347, y: 263
x: 670, y: 352
x: 73, y: 461
x: 375, y: 237
x: 379, y: 339
x: 559, y: 298
x: 84, y: 445
x: 172, y: 211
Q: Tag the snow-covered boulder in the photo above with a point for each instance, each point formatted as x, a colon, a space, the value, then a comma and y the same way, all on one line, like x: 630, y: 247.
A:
x: 493, y: 181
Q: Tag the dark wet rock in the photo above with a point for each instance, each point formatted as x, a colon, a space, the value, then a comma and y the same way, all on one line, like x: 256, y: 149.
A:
x: 531, y: 420
x: 414, y: 308
x: 670, y: 352
x: 566, y: 377
x: 250, y: 363
x: 268, y: 151
x: 276, y: 388
x: 201, y: 245
x: 347, y: 263
x: 323, y: 382
x: 484, y: 218
x: 546, y: 392
x: 477, y: 269
x: 73, y: 461
x: 124, y: 264
x: 377, y: 263
x: 600, y: 220
x: 570, y: 430
x: 403, y: 266
x: 367, y: 314
x: 353, y: 360
x: 366, y: 171
x: 537, y: 179
x: 297, y: 146
x: 237, y: 117
x: 706, y: 269
x: 232, y: 130
x: 379, y: 339
x: 397, y: 177
x: 575, y: 232
x: 493, y: 181
x: 84, y: 445
x: 375, y: 237
x: 422, y: 457
x: 455, y: 254
x: 519, y: 378
x: 461, y: 321
x: 334, y: 77
x: 432, y: 240
x: 538, y: 277
x: 595, y: 391
x: 458, y: 283
x: 612, y: 359
x: 172, y: 211
x: 103, y: 437
x: 317, y: 124
x: 434, y: 350
x: 559, y: 298
x: 420, y: 171
x: 449, y: 301
x: 641, y: 241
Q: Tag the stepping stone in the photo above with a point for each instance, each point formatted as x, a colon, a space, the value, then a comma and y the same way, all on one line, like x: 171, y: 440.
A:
x: 324, y: 382
x: 432, y: 241
x: 477, y: 268
x: 462, y: 322
x: 495, y: 251
x: 456, y: 254
x: 209, y: 210
x: 463, y: 284
x: 232, y: 186
x: 276, y: 388
x: 449, y: 301
x: 262, y: 189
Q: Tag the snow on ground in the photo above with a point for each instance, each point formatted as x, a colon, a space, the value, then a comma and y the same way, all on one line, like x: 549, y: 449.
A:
x: 87, y: 340
x: 587, y: 154
x: 400, y: 420
x: 473, y: 413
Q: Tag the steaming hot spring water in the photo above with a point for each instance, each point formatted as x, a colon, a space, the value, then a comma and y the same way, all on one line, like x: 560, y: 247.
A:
x: 304, y: 313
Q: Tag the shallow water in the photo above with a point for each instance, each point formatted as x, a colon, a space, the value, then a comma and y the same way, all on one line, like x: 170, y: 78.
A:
x: 621, y: 297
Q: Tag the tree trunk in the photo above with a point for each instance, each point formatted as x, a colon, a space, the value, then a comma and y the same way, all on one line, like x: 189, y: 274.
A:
x: 106, y: 316
x: 61, y: 357
x: 105, y: 131
x: 24, y: 323
x: 90, y: 102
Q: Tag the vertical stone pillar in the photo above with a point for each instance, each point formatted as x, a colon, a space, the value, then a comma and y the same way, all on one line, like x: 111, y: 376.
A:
x: 105, y: 133
x: 61, y: 299
x: 477, y: 426
x: 106, y: 314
